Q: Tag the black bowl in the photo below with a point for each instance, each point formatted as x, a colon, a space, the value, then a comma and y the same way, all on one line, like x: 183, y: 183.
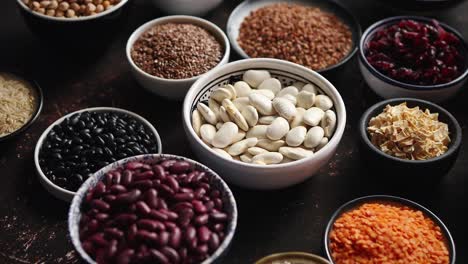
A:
x: 37, y: 111
x: 409, y: 170
x: 391, y: 200
x: 76, y: 34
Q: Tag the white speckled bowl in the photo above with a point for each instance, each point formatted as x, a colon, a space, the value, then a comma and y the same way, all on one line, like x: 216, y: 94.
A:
x: 74, y: 214
x: 256, y: 176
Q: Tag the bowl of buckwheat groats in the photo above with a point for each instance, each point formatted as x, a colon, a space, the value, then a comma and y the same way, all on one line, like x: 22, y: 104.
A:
x: 76, y: 23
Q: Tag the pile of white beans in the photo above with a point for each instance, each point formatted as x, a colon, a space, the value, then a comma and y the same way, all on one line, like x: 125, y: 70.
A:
x: 258, y: 121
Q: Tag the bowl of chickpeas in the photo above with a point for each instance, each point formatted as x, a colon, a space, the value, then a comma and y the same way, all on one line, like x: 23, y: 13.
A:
x: 74, y: 23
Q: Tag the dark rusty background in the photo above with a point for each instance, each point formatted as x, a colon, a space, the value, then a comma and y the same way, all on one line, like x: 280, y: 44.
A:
x: 33, y: 224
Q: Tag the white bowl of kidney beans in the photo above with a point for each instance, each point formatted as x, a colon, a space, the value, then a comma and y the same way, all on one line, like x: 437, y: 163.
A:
x: 411, y: 56
x: 153, y: 208
x: 80, y: 143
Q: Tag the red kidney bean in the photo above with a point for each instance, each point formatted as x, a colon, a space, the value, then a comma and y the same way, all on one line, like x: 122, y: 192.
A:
x: 142, y: 254
x: 172, y: 182
x: 175, y: 238
x: 221, y: 235
x: 185, y: 216
x: 202, y: 249
x: 218, y: 203
x: 100, y: 205
x: 190, y: 177
x: 201, y: 219
x: 112, y: 232
x: 133, y: 165
x: 190, y: 233
x: 204, y: 233
x: 101, y: 255
x: 143, y: 175
x: 192, y: 244
x: 218, y: 216
x: 142, y: 208
x: 218, y: 227
x: 151, y: 225
x: 93, y: 225
x: 146, y: 236
x: 215, y: 193
x: 199, y: 177
x: 117, y: 177
x: 125, y: 219
x: 156, y: 182
x: 199, y: 193
x: 151, y: 197
x: 171, y: 215
x: 199, y: 207
x: 213, y: 243
x: 108, y: 178
x: 158, y: 215
x: 112, y: 249
x: 165, y: 189
x: 183, y: 197
x: 171, y: 254
x: 128, y: 198
x: 185, y: 190
x: 203, y: 185
x: 101, y: 217
x: 116, y: 189
x: 159, y: 171
x: 162, y: 204
x: 127, y: 177
x: 142, y: 185
x: 158, y: 256
x: 89, y: 196
x: 209, y: 205
x: 164, y: 237
x: 98, y: 240
x: 131, y: 234
x: 168, y: 163
x: 110, y: 198
x: 88, y: 247
x: 182, y: 205
x: 125, y: 257
x: 181, y: 177
x: 99, y: 189
x: 180, y: 167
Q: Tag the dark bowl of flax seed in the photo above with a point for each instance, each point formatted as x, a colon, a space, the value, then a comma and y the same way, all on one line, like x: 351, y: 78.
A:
x: 320, y: 35
x: 167, y: 55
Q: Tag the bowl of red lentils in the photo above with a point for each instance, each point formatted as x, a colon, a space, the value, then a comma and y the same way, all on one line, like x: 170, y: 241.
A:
x: 387, y: 229
x: 74, y: 23
x: 167, y: 55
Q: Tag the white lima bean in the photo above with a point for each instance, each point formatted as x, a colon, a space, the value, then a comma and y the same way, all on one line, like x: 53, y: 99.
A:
x: 288, y: 90
x: 242, y: 146
x: 223, y: 114
x: 310, y: 88
x: 222, y: 152
x: 232, y: 90
x: 266, y: 120
x: 196, y: 121
x: 323, y: 102
x: 256, y: 150
x: 258, y: 131
x: 284, y: 108
x: 262, y: 103
x: 296, y: 136
x: 271, y: 84
x: 290, y: 98
x: 255, y: 77
x: 295, y: 153
x: 267, y: 93
x: 242, y: 89
x: 219, y: 125
x: 207, y: 133
x: 299, y: 118
x: 329, y: 123
x: 220, y: 94
x: 251, y: 115
x: 313, y: 137
x: 241, y: 102
x: 313, y: 116
x: 278, y: 129
x: 305, y: 99
x: 207, y: 114
x: 235, y: 115
x: 240, y: 136
x: 267, y: 158
x: 322, y: 144
x: 214, y: 106
x: 247, y: 158
x: 270, y: 145
x: 225, y: 135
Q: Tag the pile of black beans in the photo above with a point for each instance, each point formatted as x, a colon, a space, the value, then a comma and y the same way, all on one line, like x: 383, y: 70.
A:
x: 87, y: 141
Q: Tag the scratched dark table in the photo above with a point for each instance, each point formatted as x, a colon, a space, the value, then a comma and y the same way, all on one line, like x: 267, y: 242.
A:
x: 33, y: 224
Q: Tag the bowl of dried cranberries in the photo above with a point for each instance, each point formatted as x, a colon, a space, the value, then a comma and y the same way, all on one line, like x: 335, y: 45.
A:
x: 410, y: 56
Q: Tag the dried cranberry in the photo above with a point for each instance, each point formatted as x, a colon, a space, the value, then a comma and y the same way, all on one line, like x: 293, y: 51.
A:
x: 416, y: 52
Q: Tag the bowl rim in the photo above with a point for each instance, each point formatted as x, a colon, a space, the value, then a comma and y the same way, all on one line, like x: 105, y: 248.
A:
x: 203, y: 23
x: 76, y: 19
x: 421, y: 104
x: 355, y: 25
x: 391, y: 20
x: 267, y: 259
x: 354, y: 203
x: 44, y: 135
x: 40, y: 102
x: 244, y: 66
x: 76, y: 202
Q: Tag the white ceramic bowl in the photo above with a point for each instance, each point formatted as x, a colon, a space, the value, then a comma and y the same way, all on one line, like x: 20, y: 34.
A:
x: 387, y: 87
x: 252, y: 175
x: 173, y: 88
x: 229, y: 201
x: 64, y: 194
x: 186, y: 7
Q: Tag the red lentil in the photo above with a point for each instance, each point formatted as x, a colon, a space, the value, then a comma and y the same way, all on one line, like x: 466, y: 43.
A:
x: 300, y: 34
x: 387, y: 233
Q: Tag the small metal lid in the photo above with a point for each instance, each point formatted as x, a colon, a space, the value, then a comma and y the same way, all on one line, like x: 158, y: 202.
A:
x: 292, y: 258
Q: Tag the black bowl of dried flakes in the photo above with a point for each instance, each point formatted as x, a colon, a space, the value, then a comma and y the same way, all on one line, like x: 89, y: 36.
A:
x: 20, y: 104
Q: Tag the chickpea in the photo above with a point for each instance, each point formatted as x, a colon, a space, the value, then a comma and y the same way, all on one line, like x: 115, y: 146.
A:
x: 70, y: 13
x: 53, y: 4
x: 75, y: 7
x: 99, y: 8
x: 50, y: 12
x: 59, y: 13
x: 41, y: 10
x: 106, y: 3
x: 63, y: 6
x: 26, y: 2
x: 45, y: 4
x: 36, y: 4
x: 91, y: 8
